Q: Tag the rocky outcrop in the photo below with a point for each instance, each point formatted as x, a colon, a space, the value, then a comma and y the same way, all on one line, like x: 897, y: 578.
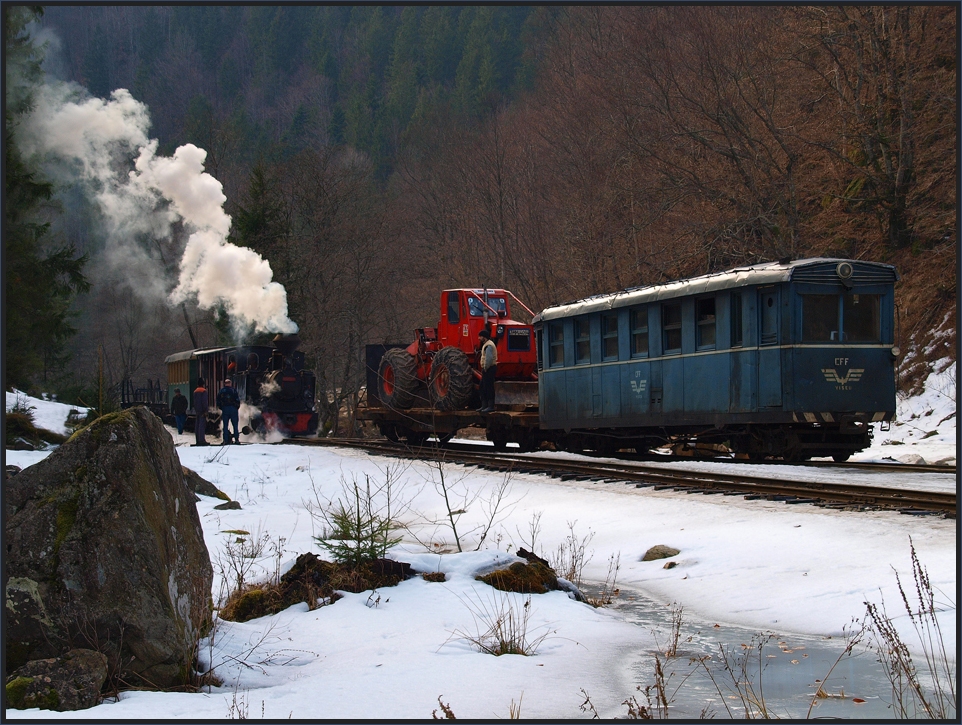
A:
x: 660, y: 551
x: 104, y: 550
x: 71, y: 682
x: 199, y: 484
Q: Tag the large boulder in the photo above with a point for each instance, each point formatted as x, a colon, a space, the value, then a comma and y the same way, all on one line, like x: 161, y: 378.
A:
x: 104, y: 550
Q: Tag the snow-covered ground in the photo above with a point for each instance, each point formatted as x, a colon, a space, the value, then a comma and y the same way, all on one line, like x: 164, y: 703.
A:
x: 800, y: 571
x: 47, y: 414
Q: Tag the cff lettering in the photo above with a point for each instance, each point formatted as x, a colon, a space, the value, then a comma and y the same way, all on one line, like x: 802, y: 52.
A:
x: 839, y: 361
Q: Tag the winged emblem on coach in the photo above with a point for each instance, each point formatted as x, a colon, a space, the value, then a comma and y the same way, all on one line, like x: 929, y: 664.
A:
x: 852, y: 376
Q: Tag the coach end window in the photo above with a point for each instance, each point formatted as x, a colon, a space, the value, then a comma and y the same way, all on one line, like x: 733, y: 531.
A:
x: 861, y: 318
x: 609, y: 336
x: 705, y: 323
x: 639, y: 332
x: 556, y: 343
x: 671, y: 328
x: 820, y: 318
x: 582, y: 341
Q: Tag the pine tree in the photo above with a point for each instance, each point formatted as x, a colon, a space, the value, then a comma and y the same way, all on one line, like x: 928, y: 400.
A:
x: 41, y: 277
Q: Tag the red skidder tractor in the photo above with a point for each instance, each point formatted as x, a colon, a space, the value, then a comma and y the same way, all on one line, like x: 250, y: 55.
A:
x: 445, y: 359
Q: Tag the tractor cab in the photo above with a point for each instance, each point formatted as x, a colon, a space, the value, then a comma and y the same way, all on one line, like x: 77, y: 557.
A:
x: 465, y: 312
x: 445, y: 359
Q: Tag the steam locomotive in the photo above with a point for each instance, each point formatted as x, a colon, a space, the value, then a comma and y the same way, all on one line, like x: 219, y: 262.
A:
x: 270, y: 379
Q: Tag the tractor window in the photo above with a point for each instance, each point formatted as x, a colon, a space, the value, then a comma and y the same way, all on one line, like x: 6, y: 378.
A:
x: 671, y: 328
x: 453, y: 315
x: 639, y: 332
x: 582, y: 341
x: 819, y: 318
x: 519, y: 339
x: 609, y: 336
x: 556, y: 341
x: 476, y: 307
x: 705, y: 319
x: 861, y: 319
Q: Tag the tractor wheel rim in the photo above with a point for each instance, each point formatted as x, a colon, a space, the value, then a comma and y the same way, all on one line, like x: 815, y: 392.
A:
x: 442, y: 381
x: 389, y: 381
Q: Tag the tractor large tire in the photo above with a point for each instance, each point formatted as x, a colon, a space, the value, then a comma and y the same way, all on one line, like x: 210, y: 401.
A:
x: 397, y: 379
x: 451, y: 382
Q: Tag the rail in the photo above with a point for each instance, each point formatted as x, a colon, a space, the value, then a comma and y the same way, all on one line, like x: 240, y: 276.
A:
x: 836, y: 495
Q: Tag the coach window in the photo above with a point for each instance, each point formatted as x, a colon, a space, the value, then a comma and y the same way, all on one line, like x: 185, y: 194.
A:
x: 582, y: 341
x: 861, y: 318
x: 556, y: 341
x: 671, y: 328
x: 609, y: 336
x: 819, y: 318
x: 738, y: 338
x: 768, y: 298
x: 705, y: 323
x: 639, y: 332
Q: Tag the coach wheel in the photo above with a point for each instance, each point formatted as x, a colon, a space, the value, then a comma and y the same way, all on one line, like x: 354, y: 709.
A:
x: 389, y: 431
x: 451, y: 382
x: 499, y: 438
x: 416, y: 439
x: 841, y: 457
x: 445, y: 437
x: 397, y: 378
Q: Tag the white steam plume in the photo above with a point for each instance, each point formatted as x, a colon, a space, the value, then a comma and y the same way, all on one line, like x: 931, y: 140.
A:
x: 95, y: 140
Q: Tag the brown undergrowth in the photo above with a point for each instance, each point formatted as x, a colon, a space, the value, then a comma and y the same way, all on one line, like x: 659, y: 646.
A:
x: 314, y: 581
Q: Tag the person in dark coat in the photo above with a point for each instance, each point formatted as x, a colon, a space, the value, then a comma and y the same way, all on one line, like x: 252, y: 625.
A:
x: 178, y: 406
x: 229, y: 402
x: 200, y: 411
x: 489, y: 368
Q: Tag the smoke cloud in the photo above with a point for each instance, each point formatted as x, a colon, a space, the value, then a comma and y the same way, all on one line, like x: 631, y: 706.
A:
x: 104, y: 144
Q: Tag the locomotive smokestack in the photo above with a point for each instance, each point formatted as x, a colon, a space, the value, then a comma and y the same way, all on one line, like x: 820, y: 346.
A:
x: 286, y: 343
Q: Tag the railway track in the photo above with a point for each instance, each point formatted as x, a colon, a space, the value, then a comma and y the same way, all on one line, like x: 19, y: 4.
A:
x: 835, y: 495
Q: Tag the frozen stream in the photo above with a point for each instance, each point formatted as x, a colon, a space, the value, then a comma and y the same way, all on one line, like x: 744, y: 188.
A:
x: 783, y: 670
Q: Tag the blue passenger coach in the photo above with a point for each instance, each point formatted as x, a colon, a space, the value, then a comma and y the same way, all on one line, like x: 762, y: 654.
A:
x: 790, y: 359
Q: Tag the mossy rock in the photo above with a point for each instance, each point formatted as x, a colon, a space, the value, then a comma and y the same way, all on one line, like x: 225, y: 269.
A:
x: 309, y: 580
x: 532, y: 577
x: 248, y: 604
x: 24, y: 693
x: 434, y: 576
x: 103, y: 532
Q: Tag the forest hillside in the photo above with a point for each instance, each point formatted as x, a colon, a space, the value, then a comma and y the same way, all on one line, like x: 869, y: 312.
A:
x: 375, y: 155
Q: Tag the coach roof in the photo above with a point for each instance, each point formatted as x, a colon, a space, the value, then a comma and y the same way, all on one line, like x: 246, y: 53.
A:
x: 755, y: 274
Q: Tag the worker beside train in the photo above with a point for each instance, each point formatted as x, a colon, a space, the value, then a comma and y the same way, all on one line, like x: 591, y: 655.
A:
x: 229, y: 403
x: 489, y: 369
x: 201, y: 405
x: 178, y: 408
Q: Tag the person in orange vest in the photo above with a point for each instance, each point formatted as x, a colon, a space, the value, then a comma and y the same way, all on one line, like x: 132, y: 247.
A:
x: 201, y: 405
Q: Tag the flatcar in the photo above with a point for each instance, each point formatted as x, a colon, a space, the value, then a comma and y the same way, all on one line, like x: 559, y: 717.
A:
x: 271, y: 379
x: 792, y: 359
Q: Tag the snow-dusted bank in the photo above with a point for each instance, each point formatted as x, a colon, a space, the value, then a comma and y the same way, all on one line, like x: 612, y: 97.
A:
x: 392, y: 653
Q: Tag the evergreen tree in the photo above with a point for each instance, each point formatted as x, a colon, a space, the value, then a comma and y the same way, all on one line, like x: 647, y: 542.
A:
x: 41, y: 278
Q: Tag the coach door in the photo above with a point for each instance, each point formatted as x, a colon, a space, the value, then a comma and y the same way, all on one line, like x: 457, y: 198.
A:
x: 769, y: 352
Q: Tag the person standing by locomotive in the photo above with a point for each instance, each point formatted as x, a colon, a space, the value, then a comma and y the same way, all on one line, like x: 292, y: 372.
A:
x: 489, y: 368
x: 200, y: 413
x: 178, y: 407
x: 228, y: 402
